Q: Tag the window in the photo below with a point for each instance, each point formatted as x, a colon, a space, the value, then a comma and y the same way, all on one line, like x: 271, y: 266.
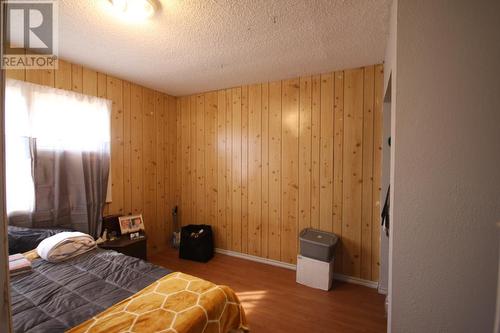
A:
x: 47, y: 119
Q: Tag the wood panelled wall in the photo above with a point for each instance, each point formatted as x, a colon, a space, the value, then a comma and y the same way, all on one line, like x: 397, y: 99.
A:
x: 143, y: 135
x: 261, y: 162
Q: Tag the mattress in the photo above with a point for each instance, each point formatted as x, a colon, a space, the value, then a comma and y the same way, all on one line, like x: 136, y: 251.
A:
x: 55, y: 297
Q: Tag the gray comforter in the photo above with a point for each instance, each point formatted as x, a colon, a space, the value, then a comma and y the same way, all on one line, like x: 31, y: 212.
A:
x: 57, y: 296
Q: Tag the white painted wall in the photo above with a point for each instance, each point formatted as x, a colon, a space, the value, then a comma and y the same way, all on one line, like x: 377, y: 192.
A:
x: 446, y: 166
x: 390, y: 75
x: 386, y: 168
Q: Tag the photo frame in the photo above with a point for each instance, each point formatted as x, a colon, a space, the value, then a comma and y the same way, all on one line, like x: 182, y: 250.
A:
x: 132, y: 223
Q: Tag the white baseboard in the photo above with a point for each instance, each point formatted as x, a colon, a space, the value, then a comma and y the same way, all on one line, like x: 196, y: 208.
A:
x: 250, y: 257
x: 339, y: 277
x: 355, y: 280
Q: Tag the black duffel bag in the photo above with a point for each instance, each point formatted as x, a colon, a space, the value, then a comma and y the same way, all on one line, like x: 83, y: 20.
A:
x: 196, y: 243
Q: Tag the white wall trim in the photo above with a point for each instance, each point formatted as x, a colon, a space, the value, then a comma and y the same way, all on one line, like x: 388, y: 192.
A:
x: 355, y: 280
x: 272, y: 262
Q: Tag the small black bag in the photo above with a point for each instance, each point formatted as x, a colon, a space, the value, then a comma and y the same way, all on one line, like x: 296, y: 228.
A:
x: 196, y: 243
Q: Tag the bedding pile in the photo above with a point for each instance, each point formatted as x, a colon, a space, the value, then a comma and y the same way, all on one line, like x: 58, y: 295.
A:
x: 26, y: 239
x: 65, y: 245
x: 178, y: 303
x: 18, y: 264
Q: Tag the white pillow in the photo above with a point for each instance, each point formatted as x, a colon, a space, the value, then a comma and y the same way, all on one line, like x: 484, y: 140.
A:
x: 65, y: 245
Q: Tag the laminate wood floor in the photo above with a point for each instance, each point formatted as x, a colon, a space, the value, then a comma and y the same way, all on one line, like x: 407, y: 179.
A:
x: 274, y: 302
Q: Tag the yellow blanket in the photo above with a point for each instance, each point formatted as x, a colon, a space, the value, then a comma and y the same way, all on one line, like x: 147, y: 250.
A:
x: 176, y: 303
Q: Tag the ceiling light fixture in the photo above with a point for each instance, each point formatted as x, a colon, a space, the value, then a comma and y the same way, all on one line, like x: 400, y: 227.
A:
x: 135, y: 10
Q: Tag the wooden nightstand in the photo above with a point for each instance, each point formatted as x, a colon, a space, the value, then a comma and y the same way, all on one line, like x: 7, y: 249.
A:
x: 131, y: 247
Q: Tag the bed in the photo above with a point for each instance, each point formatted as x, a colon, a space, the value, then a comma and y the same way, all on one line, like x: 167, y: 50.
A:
x: 76, y: 293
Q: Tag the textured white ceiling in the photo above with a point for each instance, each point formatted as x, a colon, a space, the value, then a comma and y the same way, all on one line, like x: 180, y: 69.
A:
x: 193, y: 46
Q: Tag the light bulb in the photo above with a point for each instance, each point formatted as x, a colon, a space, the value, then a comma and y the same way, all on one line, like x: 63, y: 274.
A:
x: 134, y: 10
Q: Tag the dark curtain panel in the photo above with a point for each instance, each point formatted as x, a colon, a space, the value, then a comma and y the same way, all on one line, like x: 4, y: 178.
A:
x: 70, y: 190
x: 95, y: 175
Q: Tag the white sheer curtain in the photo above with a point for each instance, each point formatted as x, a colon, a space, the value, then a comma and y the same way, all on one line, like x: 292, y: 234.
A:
x: 48, y: 120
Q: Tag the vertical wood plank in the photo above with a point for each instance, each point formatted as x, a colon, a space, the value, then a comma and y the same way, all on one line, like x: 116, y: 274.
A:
x: 377, y: 168
x: 127, y: 145
x: 194, y: 167
x: 366, y: 198
x: 305, y: 166
x: 315, y: 150
x: 149, y: 167
x: 254, y: 169
x: 211, y: 173
x: 265, y: 171
x: 115, y: 94
x: 236, y: 170
x: 229, y: 168
x: 178, y: 156
x: 200, y: 160
x: 290, y: 170
x: 244, y: 169
x: 185, y: 112
x: 63, y: 76
x: 102, y: 84
x: 221, y: 230
x: 172, y: 183
x: 136, y: 154
x: 274, y: 247
x: 44, y: 77
x: 77, y: 78
x: 338, y: 157
x: 326, y: 153
x: 169, y: 136
x: 89, y: 82
x: 353, y: 159
x: 160, y: 202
